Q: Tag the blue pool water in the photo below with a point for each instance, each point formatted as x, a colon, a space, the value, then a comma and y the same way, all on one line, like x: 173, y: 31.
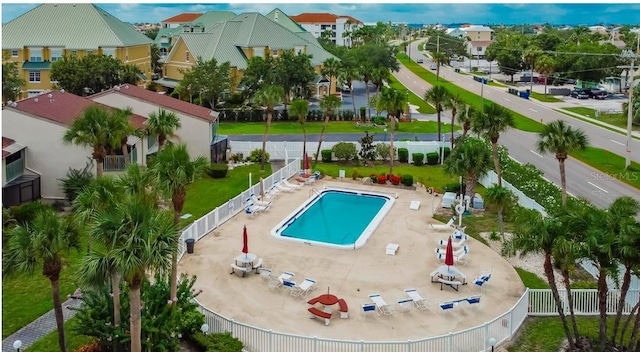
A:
x: 339, y: 218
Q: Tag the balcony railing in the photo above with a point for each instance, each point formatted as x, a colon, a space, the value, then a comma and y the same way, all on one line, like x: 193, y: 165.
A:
x: 116, y: 162
x: 14, y: 170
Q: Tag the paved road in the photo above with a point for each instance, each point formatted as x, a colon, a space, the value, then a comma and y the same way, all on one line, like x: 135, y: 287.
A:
x: 583, y: 181
x: 333, y: 137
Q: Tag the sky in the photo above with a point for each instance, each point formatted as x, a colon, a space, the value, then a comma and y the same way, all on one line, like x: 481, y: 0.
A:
x: 570, y: 12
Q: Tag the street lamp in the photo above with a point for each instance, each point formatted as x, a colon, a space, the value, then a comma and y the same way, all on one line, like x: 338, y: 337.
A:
x: 492, y: 342
x: 385, y: 134
x: 629, y: 54
x: 204, y: 328
x: 408, y: 107
x: 17, y: 344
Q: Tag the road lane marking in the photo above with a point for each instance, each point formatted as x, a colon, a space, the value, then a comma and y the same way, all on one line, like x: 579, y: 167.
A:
x: 423, y: 88
x: 600, y: 188
x: 616, y: 142
x: 535, y: 153
x: 532, y: 110
x: 507, y: 99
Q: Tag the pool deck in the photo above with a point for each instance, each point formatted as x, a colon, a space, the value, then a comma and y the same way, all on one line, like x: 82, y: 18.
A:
x: 351, y: 275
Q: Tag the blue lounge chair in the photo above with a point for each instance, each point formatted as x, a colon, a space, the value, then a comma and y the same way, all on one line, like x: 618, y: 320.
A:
x: 447, y: 305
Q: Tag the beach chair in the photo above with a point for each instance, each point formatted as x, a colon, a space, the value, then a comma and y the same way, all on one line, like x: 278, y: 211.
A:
x: 447, y: 305
x: 455, y: 244
x: 291, y: 185
x: 291, y: 285
x: 456, y: 252
x: 368, y: 309
x: 383, y: 307
x: 287, y: 275
x: 442, y: 227
x: 311, y: 179
x: 272, y: 192
x: 253, y: 209
x: 405, y: 305
x: 304, y: 288
x: 417, y: 299
x: 283, y: 188
x: 257, y: 201
x: 257, y: 265
x: 274, y: 282
x: 473, y: 299
x: 264, y: 273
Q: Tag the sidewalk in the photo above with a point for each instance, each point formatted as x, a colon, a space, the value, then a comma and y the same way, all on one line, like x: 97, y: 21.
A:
x: 40, y: 327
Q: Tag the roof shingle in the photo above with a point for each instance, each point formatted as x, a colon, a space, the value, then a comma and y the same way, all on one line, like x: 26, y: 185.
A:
x: 183, y: 17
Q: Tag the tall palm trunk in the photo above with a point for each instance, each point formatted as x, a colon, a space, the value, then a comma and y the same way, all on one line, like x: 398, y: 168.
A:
x: 177, y: 199
x: 471, y: 182
x: 353, y: 101
x: 548, y: 270
x: 563, y: 179
x: 125, y: 151
x: 634, y: 331
x: 572, y: 315
x: 264, y: 140
x: 626, y: 281
x: 162, y: 139
x: 135, y: 325
x: 454, y: 111
x: 366, y: 87
x: 439, y: 124
x: 57, y: 307
x: 304, y: 145
x: 393, y: 127
x: 324, y: 127
x: 115, y: 290
x: 602, y: 307
x: 496, y: 159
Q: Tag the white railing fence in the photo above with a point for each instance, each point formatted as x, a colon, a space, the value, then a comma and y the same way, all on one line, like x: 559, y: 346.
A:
x: 475, y: 339
x: 294, y: 149
x: 491, y: 178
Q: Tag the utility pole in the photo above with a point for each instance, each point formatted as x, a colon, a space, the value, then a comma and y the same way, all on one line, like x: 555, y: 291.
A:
x: 438, y: 44
x: 630, y: 55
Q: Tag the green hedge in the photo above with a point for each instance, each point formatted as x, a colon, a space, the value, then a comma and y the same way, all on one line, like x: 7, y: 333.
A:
x: 217, y: 342
x: 433, y: 158
x: 403, y: 155
x: 218, y: 170
x: 326, y: 155
x: 418, y: 159
x: 407, y: 180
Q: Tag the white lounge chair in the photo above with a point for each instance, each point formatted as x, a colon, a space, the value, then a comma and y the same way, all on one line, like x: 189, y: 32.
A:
x: 257, y: 201
x: 405, y: 305
x: 442, y: 227
x: 458, y: 259
x: 283, y: 187
x: 264, y: 273
x: 455, y: 244
x: 274, y: 282
x: 285, y: 276
x: 456, y: 253
x: 417, y: 299
x: 291, y: 185
x: 272, y: 192
x: 253, y: 209
x: 311, y: 179
x: 304, y: 288
x: 383, y: 307
x: 257, y: 265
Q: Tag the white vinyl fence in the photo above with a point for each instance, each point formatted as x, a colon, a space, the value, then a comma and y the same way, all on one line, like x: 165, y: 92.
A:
x: 289, y: 150
x: 491, y: 178
x: 475, y: 339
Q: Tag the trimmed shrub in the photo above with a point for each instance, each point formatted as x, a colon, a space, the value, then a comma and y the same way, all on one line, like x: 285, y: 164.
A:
x: 383, y: 150
x: 418, y: 159
x: 326, y: 155
x: 256, y: 156
x: 222, y: 342
x: 344, y: 150
x: 236, y: 158
x: 379, y: 120
x: 407, y: 180
x: 355, y: 175
x: 374, y: 178
x: 23, y: 214
x: 75, y: 181
x: 382, y: 179
x: 218, y: 170
x: 432, y: 158
x: 363, y: 112
x: 446, y: 152
x: 395, y: 179
x: 403, y: 155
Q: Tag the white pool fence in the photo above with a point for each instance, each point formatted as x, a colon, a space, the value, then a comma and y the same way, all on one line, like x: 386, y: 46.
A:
x: 475, y: 339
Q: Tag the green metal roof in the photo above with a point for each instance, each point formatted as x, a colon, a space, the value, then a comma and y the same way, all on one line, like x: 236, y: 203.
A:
x: 167, y: 82
x: 73, y: 26
x: 41, y: 65
x: 284, y: 20
x: 211, y: 18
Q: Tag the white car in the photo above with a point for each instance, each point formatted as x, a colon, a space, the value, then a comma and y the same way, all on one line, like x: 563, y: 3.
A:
x: 420, y: 61
x: 433, y: 67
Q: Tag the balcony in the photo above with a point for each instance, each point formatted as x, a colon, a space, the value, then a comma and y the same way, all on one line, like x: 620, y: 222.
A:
x: 117, y: 162
x: 14, y: 170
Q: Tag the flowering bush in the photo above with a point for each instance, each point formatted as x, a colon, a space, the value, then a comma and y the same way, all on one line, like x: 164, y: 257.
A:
x: 382, y: 179
x: 395, y: 180
x: 164, y: 322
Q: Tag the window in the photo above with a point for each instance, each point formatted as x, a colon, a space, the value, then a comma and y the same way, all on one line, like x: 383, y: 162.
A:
x: 56, y: 54
x: 14, y: 53
x: 163, y: 52
x: 35, y: 54
x: 164, y: 39
x: 89, y: 52
x: 186, y: 29
x: 274, y: 52
x: 299, y: 50
x: 109, y: 52
x: 479, y: 49
x: 34, y: 76
x: 187, y: 56
x: 74, y: 53
x: 259, y: 51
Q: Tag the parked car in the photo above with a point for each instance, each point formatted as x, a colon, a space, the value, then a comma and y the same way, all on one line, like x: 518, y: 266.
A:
x: 579, y: 94
x: 420, y: 60
x: 433, y: 67
x: 596, y: 93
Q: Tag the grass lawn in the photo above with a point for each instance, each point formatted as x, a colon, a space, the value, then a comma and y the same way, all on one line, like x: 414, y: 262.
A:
x: 25, y: 298
x: 531, y: 280
x: 610, y: 164
x: 288, y: 127
x: 423, y: 106
x: 618, y: 120
x: 50, y: 342
x: 208, y: 193
x: 522, y: 122
x: 545, y: 98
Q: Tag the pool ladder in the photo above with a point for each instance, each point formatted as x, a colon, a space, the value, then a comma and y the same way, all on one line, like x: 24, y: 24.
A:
x: 313, y: 191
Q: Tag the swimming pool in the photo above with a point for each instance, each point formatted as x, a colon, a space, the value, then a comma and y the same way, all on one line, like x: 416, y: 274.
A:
x: 336, y: 218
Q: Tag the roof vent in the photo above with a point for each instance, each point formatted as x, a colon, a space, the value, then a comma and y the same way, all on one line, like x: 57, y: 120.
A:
x: 117, y: 88
x: 14, y: 104
x: 62, y: 91
x: 9, y: 102
x: 275, y: 17
x: 126, y: 87
x: 50, y: 95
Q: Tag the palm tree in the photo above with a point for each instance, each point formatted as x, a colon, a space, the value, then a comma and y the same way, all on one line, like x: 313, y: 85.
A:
x: 534, y: 234
x: 121, y: 129
x: 43, y: 245
x: 470, y: 158
x: 464, y: 118
x: 378, y: 76
x: 438, y: 97
x: 268, y: 96
x: 330, y: 68
x: 545, y: 66
x: 529, y: 57
x: 494, y: 120
x: 175, y: 171
x: 300, y: 108
x: 328, y: 104
x: 560, y: 138
x: 438, y: 58
x: 364, y: 70
x: 392, y: 101
x: 454, y: 103
x: 348, y: 74
x: 92, y: 130
x: 501, y: 198
x: 138, y: 180
x: 163, y: 124
x: 145, y: 238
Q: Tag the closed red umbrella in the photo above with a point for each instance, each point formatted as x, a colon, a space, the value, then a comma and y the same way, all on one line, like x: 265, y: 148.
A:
x: 306, y: 162
x: 448, y: 257
x: 245, y: 241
